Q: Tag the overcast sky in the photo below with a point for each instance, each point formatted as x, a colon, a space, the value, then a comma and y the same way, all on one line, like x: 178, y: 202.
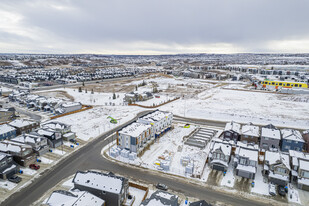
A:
x: 154, y: 26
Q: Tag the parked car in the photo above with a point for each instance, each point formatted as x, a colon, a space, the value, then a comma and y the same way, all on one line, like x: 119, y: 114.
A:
x: 34, y: 166
x: 281, y: 190
x: 73, y: 141
x: 272, y: 189
x: 161, y: 186
x: 15, y: 179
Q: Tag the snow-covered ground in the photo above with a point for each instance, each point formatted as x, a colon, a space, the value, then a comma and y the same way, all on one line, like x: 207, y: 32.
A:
x: 243, y: 106
x: 91, y: 123
x: 260, y: 186
x: 160, y: 99
x: 28, y: 171
x: 170, y: 147
x: 87, y: 98
x: 58, y: 151
x: 229, y: 179
x: 45, y: 160
x: 5, y: 184
x: 138, y: 194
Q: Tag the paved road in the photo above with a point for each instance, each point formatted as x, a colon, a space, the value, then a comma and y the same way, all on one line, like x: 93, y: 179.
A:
x: 89, y: 157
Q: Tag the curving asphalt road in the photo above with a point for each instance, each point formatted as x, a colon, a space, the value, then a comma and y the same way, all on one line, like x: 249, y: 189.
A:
x: 89, y: 157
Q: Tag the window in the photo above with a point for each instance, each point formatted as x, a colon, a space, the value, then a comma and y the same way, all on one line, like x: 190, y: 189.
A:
x: 277, y: 84
x: 288, y: 85
x: 305, y: 174
x: 281, y: 170
x: 273, y: 83
x: 9, y: 159
x: 300, y: 85
x: 287, y: 147
x: 266, y: 138
x: 2, y: 163
x: 242, y: 161
x: 296, y: 85
x: 280, y: 84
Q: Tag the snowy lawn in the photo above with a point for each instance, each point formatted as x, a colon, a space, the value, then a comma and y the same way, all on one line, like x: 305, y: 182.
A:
x: 5, y: 184
x: 138, y: 194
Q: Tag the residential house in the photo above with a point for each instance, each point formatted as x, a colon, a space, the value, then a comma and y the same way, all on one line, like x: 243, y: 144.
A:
x: 232, y: 131
x: 38, y: 142
x: 63, y: 129
x: 7, y: 114
x: 134, y: 137
x: 74, y: 198
x: 246, y: 160
x: 306, y: 139
x: 161, y: 122
x: 53, y: 137
x: 109, y: 187
x: 291, y: 140
x: 250, y: 134
x: 277, y: 167
x: 300, y: 169
x: 7, y: 166
x: 161, y: 198
x: 23, y: 126
x: 219, y: 156
x: 303, y: 174
x: 7, y: 132
x: 270, y: 138
x: 22, y: 153
x: 137, y: 96
x: 66, y: 107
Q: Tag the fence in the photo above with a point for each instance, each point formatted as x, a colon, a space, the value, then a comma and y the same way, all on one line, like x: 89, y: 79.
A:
x: 84, y: 108
x: 143, y: 106
x: 146, y: 189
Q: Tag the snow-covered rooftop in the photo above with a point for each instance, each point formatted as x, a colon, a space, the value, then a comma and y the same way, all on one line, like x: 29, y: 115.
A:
x: 9, y: 146
x: 135, y: 129
x: 277, y: 158
x: 271, y: 133
x: 6, y: 128
x: 225, y: 148
x: 81, y: 198
x: 100, y: 181
x: 291, y: 134
x: 250, y: 130
x: 232, y: 126
x: 251, y: 154
x: 71, y: 104
x: 21, y: 123
x: 156, y: 116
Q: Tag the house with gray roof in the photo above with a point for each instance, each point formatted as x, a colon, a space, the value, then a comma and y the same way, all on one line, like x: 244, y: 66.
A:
x: 109, y: 187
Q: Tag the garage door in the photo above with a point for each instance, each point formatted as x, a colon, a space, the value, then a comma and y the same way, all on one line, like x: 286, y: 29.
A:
x: 218, y: 167
x: 243, y: 174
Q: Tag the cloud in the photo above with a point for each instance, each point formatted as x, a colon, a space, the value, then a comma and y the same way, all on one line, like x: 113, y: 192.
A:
x: 161, y: 26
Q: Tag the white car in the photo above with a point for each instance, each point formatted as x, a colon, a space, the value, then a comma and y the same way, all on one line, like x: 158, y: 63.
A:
x: 272, y: 189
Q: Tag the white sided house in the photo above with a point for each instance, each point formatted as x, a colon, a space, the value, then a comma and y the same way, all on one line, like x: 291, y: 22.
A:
x: 161, y: 122
x: 219, y: 156
x: 135, y: 137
